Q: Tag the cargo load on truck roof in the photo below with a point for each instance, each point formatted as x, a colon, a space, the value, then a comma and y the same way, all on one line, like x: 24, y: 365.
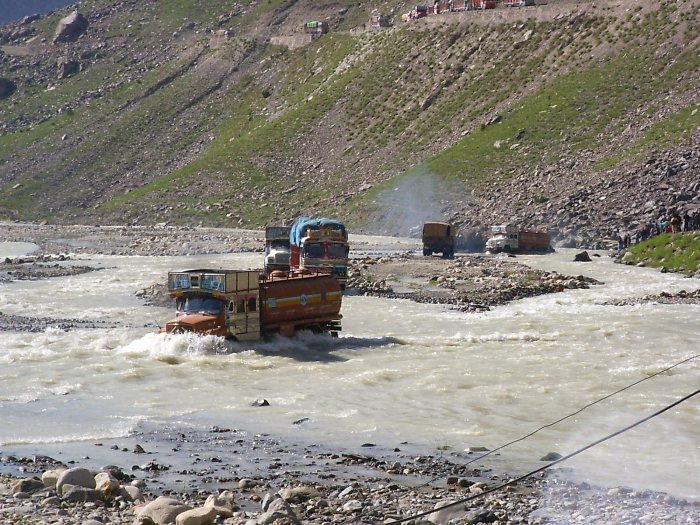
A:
x: 304, y: 225
x: 316, y: 27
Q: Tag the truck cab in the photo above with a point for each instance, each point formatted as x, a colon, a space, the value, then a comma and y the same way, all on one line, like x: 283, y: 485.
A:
x: 503, y: 239
x: 277, y: 248
x: 319, y: 244
x: 224, y: 303
x: 247, y: 305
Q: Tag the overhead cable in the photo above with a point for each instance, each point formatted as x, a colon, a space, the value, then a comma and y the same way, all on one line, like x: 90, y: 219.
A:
x: 549, y: 465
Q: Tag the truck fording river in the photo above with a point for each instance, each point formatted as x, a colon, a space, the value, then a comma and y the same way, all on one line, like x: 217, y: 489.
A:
x: 247, y: 305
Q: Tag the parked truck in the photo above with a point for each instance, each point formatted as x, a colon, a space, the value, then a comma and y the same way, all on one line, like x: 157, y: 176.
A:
x: 277, y: 249
x: 508, y: 238
x: 439, y: 237
x: 247, y: 305
x: 320, y: 243
x: 316, y: 28
x: 379, y: 21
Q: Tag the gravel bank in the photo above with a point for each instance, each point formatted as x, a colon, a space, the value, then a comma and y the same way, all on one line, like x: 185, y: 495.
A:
x: 273, y: 482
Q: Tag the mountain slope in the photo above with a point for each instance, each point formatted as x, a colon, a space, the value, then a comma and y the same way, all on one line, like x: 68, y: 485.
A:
x: 16, y: 9
x: 566, y: 116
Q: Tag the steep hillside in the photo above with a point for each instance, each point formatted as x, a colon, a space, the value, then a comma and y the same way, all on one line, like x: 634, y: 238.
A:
x: 579, y: 117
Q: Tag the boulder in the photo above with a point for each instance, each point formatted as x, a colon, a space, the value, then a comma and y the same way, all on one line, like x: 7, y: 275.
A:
x: 199, y: 516
x: 582, y: 257
x: 247, y: 483
x: 7, y: 88
x: 70, y: 28
x: 81, y: 477
x: 551, y: 456
x: 67, y: 68
x: 278, y: 510
x: 298, y: 494
x: 224, y: 504
x: 27, y: 485
x: 115, y: 472
x: 50, y: 478
x: 78, y: 494
x: 106, y: 483
x: 29, y: 19
x: 130, y: 493
x: 482, y: 516
x: 442, y: 514
x: 161, y: 511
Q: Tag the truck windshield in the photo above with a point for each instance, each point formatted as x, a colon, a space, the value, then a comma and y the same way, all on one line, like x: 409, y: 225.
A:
x: 337, y: 251
x: 202, y: 305
x: 313, y: 251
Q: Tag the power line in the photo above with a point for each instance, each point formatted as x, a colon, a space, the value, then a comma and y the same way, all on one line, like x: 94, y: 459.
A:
x: 549, y: 465
x: 501, y: 447
x: 572, y: 414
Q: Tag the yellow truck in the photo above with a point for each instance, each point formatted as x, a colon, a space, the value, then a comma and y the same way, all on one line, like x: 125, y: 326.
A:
x: 439, y: 237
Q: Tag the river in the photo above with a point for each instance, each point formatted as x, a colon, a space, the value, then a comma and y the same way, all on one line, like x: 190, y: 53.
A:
x: 400, y: 373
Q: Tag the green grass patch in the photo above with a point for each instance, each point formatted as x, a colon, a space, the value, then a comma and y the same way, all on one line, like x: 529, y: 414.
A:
x: 678, y: 252
x: 247, y: 131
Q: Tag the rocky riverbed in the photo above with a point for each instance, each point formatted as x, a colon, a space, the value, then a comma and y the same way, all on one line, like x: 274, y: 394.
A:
x: 304, y: 485
x: 230, y: 476
x: 468, y: 282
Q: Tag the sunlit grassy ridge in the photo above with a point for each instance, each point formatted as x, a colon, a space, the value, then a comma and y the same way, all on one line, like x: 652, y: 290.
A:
x: 190, y: 131
x: 674, y: 251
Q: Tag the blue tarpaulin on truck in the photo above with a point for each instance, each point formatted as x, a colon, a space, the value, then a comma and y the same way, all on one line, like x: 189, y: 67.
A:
x: 303, y: 224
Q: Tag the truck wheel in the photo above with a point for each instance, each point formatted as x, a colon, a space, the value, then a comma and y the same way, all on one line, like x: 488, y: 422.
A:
x: 425, y: 252
x: 506, y: 249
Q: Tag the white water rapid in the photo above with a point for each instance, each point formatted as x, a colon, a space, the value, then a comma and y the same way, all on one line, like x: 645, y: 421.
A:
x: 400, y: 372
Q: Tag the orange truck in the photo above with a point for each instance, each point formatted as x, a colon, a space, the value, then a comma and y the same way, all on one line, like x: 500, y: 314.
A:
x: 248, y: 305
x: 320, y: 244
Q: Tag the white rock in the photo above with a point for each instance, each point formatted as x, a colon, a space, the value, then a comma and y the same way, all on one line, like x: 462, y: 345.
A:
x: 199, y: 516
x: 298, y: 494
x: 224, y: 504
x: 352, y: 505
x: 442, y: 516
x: 50, y: 477
x: 131, y: 493
x: 81, y: 477
x: 162, y: 511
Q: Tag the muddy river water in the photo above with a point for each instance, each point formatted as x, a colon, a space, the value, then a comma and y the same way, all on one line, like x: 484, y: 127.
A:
x: 400, y: 373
